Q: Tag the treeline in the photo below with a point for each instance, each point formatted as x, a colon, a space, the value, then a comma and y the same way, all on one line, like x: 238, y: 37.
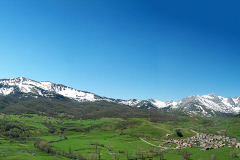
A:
x: 14, y: 130
x: 46, y: 147
x: 62, y: 107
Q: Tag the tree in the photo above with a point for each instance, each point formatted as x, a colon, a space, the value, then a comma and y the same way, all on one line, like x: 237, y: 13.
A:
x: 127, y: 154
x: 179, y: 133
x: 116, y: 156
x: 96, y: 144
x: 160, y: 155
x: 80, y: 157
x: 70, y: 151
x: 234, y: 153
x: 92, y: 156
x: 185, y: 154
x: 213, y: 157
x: 99, y: 154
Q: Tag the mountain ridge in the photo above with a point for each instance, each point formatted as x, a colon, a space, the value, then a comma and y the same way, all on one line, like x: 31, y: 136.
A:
x: 204, y: 105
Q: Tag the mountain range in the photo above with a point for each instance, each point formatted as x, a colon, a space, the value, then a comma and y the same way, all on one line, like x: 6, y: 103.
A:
x: 204, y: 105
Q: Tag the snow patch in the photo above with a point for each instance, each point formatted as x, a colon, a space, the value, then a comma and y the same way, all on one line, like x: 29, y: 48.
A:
x: 160, y: 104
x: 6, y: 91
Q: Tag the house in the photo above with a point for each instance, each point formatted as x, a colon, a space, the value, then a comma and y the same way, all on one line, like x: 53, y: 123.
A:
x: 180, y: 142
x: 190, y: 146
x: 185, y: 144
x: 176, y: 141
x: 234, y: 142
x: 238, y: 145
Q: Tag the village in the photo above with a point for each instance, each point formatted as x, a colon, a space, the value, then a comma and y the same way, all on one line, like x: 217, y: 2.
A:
x: 204, y: 142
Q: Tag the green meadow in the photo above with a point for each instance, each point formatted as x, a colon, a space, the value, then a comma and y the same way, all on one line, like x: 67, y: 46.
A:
x: 32, y: 136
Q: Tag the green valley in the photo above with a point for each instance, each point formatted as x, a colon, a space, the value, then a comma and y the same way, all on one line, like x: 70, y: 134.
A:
x: 32, y: 136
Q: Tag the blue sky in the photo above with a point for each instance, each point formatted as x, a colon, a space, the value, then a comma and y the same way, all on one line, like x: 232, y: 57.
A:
x: 166, y: 50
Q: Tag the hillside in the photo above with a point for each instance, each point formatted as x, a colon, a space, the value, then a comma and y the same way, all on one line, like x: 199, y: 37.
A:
x: 21, y: 103
x: 205, y: 105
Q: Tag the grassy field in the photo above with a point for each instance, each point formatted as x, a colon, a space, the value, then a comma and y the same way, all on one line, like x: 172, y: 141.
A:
x: 17, y: 150
x: 107, y: 138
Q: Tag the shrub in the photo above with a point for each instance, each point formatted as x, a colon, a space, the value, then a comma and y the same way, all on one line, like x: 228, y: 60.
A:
x: 179, y: 133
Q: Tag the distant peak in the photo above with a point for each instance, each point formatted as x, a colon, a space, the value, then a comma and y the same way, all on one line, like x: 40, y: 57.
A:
x: 213, y: 95
x: 23, y: 78
x: 151, y: 100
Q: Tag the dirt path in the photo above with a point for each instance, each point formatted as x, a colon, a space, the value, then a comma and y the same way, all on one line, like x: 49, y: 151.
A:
x: 155, y: 145
x: 150, y: 143
x: 158, y: 146
x: 194, y: 131
x: 165, y: 147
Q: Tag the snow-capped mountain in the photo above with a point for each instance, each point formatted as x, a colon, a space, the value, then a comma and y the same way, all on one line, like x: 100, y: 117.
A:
x: 209, y: 105
x: 204, y: 105
x: 160, y: 104
x: 49, y: 89
x: 46, y: 89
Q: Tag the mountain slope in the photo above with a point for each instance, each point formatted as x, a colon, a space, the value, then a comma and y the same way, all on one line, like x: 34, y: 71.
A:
x: 205, y: 105
x: 46, y: 89
x: 209, y: 105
